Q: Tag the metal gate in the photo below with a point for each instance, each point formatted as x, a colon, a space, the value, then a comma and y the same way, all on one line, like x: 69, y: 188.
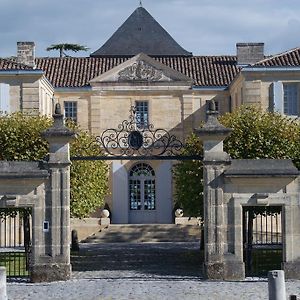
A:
x: 131, y: 141
x: 262, y: 239
x: 15, y: 241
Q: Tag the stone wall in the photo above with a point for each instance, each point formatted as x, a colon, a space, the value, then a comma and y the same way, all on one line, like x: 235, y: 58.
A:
x: 229, y: 185
x: 45, y: 187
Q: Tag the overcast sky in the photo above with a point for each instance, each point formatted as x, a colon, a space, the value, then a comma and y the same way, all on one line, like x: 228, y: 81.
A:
x: 204, y: 27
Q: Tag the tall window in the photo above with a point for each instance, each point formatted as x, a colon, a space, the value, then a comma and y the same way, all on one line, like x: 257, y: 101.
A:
x: 71, y: 110
x: 142, y: 114
x: 290, y: 99
x: 4, y: 98
x: 142, y: 187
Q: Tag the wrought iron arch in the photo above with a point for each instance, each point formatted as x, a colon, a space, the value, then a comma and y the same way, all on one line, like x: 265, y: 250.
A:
x: 131, y: 141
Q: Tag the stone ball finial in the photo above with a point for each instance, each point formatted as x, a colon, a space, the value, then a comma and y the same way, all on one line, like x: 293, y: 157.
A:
x: 179, y: 213
x: 105, y: 213
x: 57, y: 109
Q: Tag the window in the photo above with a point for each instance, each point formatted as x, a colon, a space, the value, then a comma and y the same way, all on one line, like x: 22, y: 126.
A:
x: 284, y: 98
x: 142, y: 187
x: 290, y: 99
x: 4, y: 98
x: 71, y: 110
x: 142, y: 114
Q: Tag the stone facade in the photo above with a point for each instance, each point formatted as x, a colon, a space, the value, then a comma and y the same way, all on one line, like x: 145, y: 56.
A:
x: 26, y: 90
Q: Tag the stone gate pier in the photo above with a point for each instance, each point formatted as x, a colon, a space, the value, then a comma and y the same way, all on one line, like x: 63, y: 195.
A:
x: 45, y: 188
x: 233, y: 184
x: 51, y: 258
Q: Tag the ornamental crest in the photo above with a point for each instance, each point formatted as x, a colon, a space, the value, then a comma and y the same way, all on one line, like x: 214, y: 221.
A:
x: 140, y: 71
x: 132, y: 139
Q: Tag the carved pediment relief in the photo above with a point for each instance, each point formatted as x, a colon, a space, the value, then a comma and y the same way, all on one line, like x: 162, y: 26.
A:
x: 141, y: 71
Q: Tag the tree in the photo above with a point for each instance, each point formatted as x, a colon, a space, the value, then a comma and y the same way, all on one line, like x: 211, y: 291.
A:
x: 256, y: 134
x: 20, y: 139
x: 188, y: 178
x: 67, y: 47
x: 88, y: 178
x: 259, y: 134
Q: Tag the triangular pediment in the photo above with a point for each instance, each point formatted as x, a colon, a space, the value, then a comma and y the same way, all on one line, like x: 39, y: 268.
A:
x: 141, y: 69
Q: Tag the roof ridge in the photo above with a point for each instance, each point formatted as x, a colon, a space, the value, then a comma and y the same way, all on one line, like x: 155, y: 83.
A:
x: 125, y: 56
x: 276, y: 55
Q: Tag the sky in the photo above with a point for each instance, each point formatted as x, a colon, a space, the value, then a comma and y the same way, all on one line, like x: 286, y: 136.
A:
x: 204, y: 27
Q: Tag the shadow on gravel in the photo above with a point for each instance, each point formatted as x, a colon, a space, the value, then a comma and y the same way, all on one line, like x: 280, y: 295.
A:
x: 159, y: 259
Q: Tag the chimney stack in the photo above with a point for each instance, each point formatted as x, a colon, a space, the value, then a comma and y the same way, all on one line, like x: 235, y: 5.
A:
x: 26, y: 53
x: 249, y: 53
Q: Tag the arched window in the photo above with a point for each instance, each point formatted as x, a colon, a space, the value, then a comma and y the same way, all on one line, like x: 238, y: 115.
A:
x: 142, y: 187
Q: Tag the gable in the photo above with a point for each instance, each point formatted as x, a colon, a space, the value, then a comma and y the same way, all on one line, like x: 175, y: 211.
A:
x: 144, y: 70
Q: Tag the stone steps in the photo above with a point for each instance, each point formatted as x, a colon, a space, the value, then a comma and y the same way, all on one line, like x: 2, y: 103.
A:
x: 148, y: 233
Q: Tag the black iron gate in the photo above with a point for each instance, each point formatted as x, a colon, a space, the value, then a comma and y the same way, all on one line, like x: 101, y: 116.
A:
x: 15, y: 241
x: 262, y: 239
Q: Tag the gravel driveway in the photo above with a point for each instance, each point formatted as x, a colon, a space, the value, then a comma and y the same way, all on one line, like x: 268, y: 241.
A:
x: 141, y: 271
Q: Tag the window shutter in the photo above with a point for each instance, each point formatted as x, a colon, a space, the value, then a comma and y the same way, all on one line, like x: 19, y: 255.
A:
x: 277, y: 96
x: 4, y: 98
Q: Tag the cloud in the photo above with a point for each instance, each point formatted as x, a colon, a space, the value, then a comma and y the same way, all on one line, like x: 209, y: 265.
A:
x: 203, y: 27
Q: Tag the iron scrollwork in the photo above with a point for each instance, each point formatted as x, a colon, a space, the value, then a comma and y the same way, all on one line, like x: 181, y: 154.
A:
x: 133, y: 139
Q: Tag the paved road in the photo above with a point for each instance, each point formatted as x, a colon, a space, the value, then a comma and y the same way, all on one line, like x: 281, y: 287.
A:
x: 141, y: 271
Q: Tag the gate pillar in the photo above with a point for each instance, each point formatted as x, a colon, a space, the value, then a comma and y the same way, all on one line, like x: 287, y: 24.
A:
x: 52, y: 261
x: 291, y: 243
x: 218, y: 263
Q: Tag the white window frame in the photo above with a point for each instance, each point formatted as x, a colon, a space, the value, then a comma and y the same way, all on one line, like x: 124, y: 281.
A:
x: 142, y: 114
x: 71, y: 110
x: 291, y: 98
x: 279, y: 101
x: 5, y: 98
x: 142, y: 188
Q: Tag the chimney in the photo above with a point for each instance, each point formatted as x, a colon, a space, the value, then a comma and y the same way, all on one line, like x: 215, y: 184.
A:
x: 249, y: 53
x: 26, y: 53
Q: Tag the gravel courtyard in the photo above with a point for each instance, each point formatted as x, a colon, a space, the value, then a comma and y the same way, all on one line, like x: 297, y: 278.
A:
x: 141, y: 271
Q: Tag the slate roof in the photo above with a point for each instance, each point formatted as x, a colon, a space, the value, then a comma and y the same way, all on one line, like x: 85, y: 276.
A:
x: 6, y: 64
x: 141, y: 33
x: 210, y: 71
x: 286, y: 59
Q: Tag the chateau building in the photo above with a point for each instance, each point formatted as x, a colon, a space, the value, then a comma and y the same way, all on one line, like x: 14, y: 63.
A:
x: 141, y: 65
